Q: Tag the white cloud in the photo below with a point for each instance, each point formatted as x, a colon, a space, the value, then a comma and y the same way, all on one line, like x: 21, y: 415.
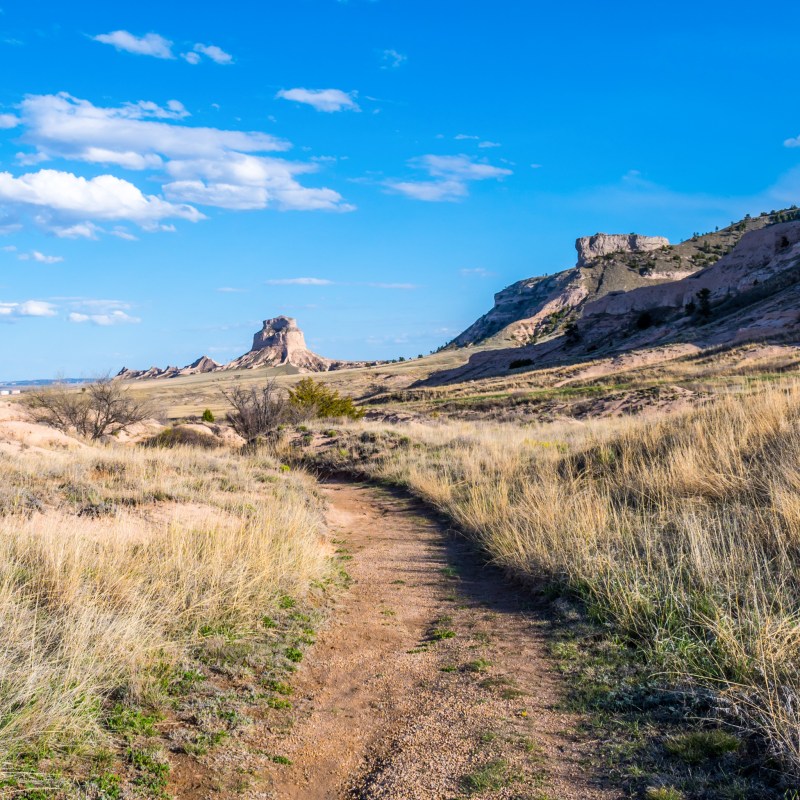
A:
x: 392, y: 285
x: 213, y: 52
x: 36, y: 255
x: 794, y: 142
x: 208, y: 166
x: 451, y: 177
x: 80, y: 230
x: 191, y: 57
x: 487, y: 144
x: 242, y: 182
x: 117, y: 317
x: 104, y: 197
x: 65, y: 126
x: 459, y: 137
x: 151, y: 44
x: 29, y: 308
x: 8, y: 121
x: 391, y: 59
x: 299, y: 282
x: 327, y: 100
x: 479, y: 272
x: 230, y: 290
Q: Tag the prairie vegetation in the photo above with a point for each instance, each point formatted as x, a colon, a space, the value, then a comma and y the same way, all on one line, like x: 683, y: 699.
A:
x: 681, y: 530
x: 120, y: 569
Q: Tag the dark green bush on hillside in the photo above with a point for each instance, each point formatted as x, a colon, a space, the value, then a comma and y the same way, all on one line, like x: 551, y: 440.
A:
x: 312, y: 398
x: 208, y: 415
x: 180, y: 436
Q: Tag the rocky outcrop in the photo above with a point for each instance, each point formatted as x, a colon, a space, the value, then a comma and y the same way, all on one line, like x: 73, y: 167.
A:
x: 203, y: 364
x: 609, y: 265
x: 279, y: 343
x: 750, y: 293
x: 604, y: 244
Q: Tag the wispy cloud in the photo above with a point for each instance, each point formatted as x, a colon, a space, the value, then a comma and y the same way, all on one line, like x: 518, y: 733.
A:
x: 392, y: 59
x: 488, y: 144
x: 151, y: 44
x: 450, y: 178
x: 327, y: 282
x: 216, y: 54
x: 157, y: 46
x: 8, y: 121
x: 230, y: 290
x: 100, y: 312
x: 104, y: 320
x: 299, y: 282
x: 35, y: 255
x: 327, y: 100
x: 793, y: 142
x: 478, y: 272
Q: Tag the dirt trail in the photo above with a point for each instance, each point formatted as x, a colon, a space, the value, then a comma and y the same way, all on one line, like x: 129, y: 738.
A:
x: 431, y: 679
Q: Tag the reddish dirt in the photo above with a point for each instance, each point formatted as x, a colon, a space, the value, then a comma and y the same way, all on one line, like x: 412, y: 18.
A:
x: 377, y: 717
x: 431, y: 681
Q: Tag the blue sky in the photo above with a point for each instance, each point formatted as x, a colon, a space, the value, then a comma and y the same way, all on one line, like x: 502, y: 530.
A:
x: 375, y: 168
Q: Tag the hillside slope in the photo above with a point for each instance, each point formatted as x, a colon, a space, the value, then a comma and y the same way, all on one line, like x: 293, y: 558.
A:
x: 750, y: 293
x: 535, y: 309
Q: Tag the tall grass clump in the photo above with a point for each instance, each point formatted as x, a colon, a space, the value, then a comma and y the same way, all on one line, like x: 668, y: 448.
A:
x: 683, y: 530
x: 113, y: 561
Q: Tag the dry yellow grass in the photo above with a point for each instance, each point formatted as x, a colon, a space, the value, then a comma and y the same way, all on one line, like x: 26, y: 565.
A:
x: 112, y: 560
x: 683, y: 530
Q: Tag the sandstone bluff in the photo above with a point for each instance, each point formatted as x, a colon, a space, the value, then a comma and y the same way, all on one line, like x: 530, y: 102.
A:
x: 279, y: 343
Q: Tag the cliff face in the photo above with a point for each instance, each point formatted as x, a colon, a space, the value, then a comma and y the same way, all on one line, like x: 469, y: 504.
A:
x: 280, y: 342
x: 537, y: 309
x: 750, y: 293
x: 603, y: 244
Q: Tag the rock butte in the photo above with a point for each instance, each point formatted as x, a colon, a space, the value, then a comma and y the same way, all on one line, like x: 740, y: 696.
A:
x: 279, y: 343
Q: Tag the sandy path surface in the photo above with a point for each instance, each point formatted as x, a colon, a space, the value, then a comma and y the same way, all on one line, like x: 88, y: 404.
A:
x: 431, y: 679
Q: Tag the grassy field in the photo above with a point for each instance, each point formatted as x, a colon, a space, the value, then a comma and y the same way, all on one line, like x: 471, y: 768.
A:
x: 125, y: 573
x: 680, y: 530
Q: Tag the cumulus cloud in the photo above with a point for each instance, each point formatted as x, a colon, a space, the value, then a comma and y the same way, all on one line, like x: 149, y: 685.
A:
x: 28, y: 308
x: 8, y: 121
x: 103, y: 197
x: 391, y: 59
x: 793, y: 142
x: 151, y: 44
x: 450, y: 178
x: 36, y: 255
x: 328, y: 100
x: 208, y: 166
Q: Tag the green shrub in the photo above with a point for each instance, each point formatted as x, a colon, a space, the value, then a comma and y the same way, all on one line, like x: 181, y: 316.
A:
x: 208, y: 415
x: 314, y: 399
x: 182, y: 436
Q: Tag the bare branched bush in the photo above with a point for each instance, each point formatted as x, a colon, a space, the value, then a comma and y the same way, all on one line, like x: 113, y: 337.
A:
x: 258, y: 411
x: 102, y: 408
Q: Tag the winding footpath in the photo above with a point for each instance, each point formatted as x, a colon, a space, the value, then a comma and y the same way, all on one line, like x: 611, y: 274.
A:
x: 431, y: 679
